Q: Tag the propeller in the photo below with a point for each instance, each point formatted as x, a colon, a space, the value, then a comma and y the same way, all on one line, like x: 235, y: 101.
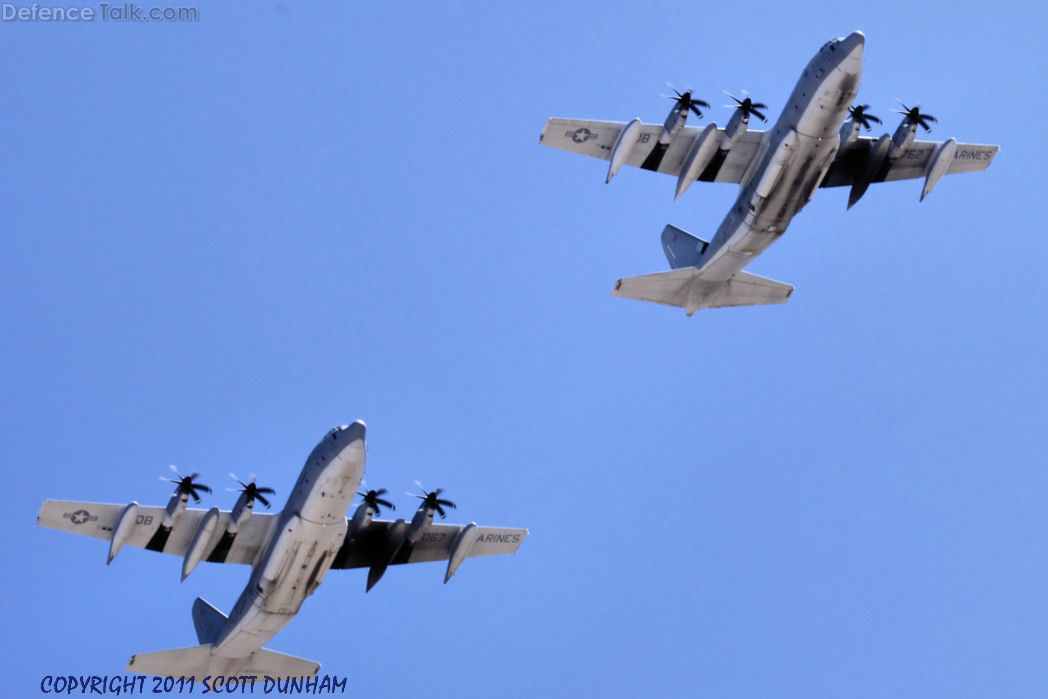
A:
x: 685, y: 100
x: 859, y: 116
x: 373, y: 500
x: 433, y: 500
x: 914, y: 116
x: 251, y: 490
x: 185, y: 484
x: 748, y: 106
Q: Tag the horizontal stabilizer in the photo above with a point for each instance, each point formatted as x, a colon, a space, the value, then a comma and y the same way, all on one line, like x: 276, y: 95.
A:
x: 687, y: 289
x: 682, y: 248
x: 200, y: 661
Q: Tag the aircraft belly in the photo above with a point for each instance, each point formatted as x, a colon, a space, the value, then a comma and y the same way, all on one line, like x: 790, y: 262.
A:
x: 740, y: 247
x: 251, y: 631
x: 309, y: 558
x: 758, y: 221
x: 794, y: 185
x: 269, y: 603
x: 824, y: 112
x: 336, y: 484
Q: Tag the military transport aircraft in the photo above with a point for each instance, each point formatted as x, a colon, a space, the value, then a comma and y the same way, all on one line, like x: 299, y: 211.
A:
x: 815, y: 143
x: 290, y: 551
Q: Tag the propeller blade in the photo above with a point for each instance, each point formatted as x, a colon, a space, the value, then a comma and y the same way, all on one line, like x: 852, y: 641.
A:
x: 262, y: 499
x: 372, y: 499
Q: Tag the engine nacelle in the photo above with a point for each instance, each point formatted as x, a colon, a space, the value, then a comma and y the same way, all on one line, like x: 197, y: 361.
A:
x: 903, y: 137
x: 674, y: 123
x: 124, y: 524
x: 623, y: 147
x: 175, y: 507
x: 361, y: 518
x: 200, y: 546
x: 700, y: 155
x: 423, y: 519
x: 241, y: 511
x: 736, y: 127
x: 938, y: 165
x: 460, y: 549
x: 849, y: 132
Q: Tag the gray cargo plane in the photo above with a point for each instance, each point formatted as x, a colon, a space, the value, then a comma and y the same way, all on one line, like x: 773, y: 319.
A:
x: 815, y: 143
x: 290, y: 552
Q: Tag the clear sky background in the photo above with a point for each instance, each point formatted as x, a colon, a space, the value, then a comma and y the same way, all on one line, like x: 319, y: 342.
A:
x: 220, y: 239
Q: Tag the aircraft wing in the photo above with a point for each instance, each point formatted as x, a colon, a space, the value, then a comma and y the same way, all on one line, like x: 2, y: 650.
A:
x: 851, y: 162
x: 370, y: 546
x: 597, y: 139
x: 98, y: 520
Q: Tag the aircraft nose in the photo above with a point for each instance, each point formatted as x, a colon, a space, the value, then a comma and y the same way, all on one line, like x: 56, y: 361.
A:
x: 355, y: 431
x: 854, y: 43
x: 849, y: 52
x: 348, y: 433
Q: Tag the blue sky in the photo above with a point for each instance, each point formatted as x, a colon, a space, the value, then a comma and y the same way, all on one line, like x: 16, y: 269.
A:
x: 222, y: 238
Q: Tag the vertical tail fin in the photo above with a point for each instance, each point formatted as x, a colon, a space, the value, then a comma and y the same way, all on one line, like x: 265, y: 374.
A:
x: 208, y: 621
x: 682, y: 248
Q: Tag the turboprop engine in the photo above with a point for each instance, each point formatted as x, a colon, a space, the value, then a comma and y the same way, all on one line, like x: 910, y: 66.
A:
x: 857, y: 119
x: 907, y: 130
x: 245, y: 504
x: 372, y: 505
x: 740, y: 120
x: 431, y: 502
x: 184, y: 487
x: 677, y: 117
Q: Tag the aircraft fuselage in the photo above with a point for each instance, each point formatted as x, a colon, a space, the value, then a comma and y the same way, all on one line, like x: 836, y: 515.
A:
x: 307, y: 535
x: 795, y: 155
